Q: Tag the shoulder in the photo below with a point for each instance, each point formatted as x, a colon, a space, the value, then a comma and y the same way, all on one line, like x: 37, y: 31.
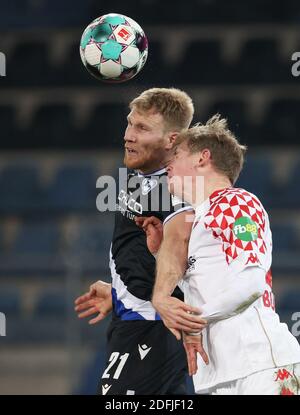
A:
x: 230, y: 206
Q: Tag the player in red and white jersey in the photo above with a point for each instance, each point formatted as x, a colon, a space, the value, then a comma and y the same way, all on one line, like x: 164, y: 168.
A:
x: 228, y: 275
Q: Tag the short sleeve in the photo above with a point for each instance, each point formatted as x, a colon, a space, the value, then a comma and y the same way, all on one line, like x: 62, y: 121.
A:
x: 239, y: 220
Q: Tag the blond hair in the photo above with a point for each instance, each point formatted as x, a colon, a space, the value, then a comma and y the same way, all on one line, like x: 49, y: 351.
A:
x: 175, y: 106
x: 227, y: 154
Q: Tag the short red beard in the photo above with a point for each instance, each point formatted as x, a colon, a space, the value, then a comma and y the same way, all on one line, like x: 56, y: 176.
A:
x: 142, y: 163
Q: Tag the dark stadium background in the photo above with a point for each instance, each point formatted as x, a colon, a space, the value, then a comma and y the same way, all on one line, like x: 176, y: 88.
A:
x: 61, y: 129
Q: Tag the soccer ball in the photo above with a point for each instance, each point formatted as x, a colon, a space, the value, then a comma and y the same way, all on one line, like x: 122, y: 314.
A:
x: 113, y: 48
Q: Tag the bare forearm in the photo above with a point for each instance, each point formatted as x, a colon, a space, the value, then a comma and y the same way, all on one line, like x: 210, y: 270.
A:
x: 170, y: 266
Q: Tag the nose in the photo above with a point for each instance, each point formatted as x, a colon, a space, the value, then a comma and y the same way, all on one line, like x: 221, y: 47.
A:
x: 129, y: 135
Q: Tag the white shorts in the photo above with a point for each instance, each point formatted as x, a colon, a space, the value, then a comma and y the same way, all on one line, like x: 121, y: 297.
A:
x: 276, y: 381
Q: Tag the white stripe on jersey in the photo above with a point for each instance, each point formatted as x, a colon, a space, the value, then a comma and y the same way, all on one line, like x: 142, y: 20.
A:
x: 131, y: 302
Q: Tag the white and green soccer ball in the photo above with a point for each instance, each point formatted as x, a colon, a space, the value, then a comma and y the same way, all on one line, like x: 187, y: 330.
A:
x: 114, y: 48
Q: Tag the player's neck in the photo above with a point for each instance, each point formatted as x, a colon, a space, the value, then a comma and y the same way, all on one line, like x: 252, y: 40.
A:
x: 206, y: 188
x: 217, y: 184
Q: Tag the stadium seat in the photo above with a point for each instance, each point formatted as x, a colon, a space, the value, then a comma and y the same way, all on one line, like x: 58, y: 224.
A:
x: 106, y: 126
x: 282, y: 122
x: 259, y: 62
x: 285, y: 238
x: 20, y: 189
x: 37, y: 238
x: 28, y: 62
x: 51, y: 304
x: 10, y: 302
x: 90, y: 245
x: 52, y: 127
x: 94, y: 237
x: 8, y: 129
x: 256, y: 177
x: 290, y: 300
x: 73, y: 189
x: 288, y: 194
x: 195, y: 69
x: 34, y: 251
x: 235, y: 112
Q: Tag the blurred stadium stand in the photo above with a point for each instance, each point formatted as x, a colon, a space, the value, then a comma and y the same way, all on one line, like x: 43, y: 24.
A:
x: 61, y: 129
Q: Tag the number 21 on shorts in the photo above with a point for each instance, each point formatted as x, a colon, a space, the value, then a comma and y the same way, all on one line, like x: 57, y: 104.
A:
x: 114, y: 357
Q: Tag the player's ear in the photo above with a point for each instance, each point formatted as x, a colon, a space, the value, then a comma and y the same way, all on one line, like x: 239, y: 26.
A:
x: 171, y: 137
x: 204, y: 157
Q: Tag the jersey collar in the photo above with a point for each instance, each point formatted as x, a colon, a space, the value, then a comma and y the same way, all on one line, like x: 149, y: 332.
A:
x: 155, y: 173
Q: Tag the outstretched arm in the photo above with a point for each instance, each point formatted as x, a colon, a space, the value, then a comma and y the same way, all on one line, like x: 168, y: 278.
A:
x: 171, y: 265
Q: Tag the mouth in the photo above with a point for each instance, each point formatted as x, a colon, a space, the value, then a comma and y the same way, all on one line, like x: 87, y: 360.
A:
x: 130, y: 151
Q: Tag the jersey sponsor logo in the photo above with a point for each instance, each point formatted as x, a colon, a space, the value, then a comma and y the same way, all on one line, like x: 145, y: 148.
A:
x: 148, y: 185
x: 282, y: 374
x: 144, y: 350
x: 105, y: 388
x: 245, y: 229
x: 253, y: 259
x: 130, y: 202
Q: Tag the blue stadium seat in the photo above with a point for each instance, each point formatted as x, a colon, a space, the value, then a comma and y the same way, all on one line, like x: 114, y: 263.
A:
x: 2, y: 240
x: 235, y: 112
x: 37, y: 238
x: 256, y: 177
x: 73, y: 189
x: 29, y: 64
x: 52, y: 127
x: 92, y: 238
x: 290, y: 300
x: 106, y: 126
x: 7, y: 123
x: 282, y: 122
x: 90, y: 246
x: 201, y: 64
x: 51, y: 304
x: 259, y: 62
x: 10, y: 302
x: 285, y: 238
x: 36, y: 250
x: 289, y: 195
x: 20, y: 189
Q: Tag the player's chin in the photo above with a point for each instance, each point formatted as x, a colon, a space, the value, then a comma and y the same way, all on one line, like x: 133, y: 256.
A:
x: 132, y: 162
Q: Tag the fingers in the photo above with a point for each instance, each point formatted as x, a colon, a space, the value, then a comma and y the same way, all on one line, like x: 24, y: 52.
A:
x: 85, y: 305
x: 88, y: 313
x: 190, y: 309
x: 83, y: 298
x: 203, y: 354
x: 144, y: 221
x: 181, y: 323
x: 139, y: 221
x: 149, y: 229
x: 191, y: 359
x: 95, y: 320
x: 192, y: 321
